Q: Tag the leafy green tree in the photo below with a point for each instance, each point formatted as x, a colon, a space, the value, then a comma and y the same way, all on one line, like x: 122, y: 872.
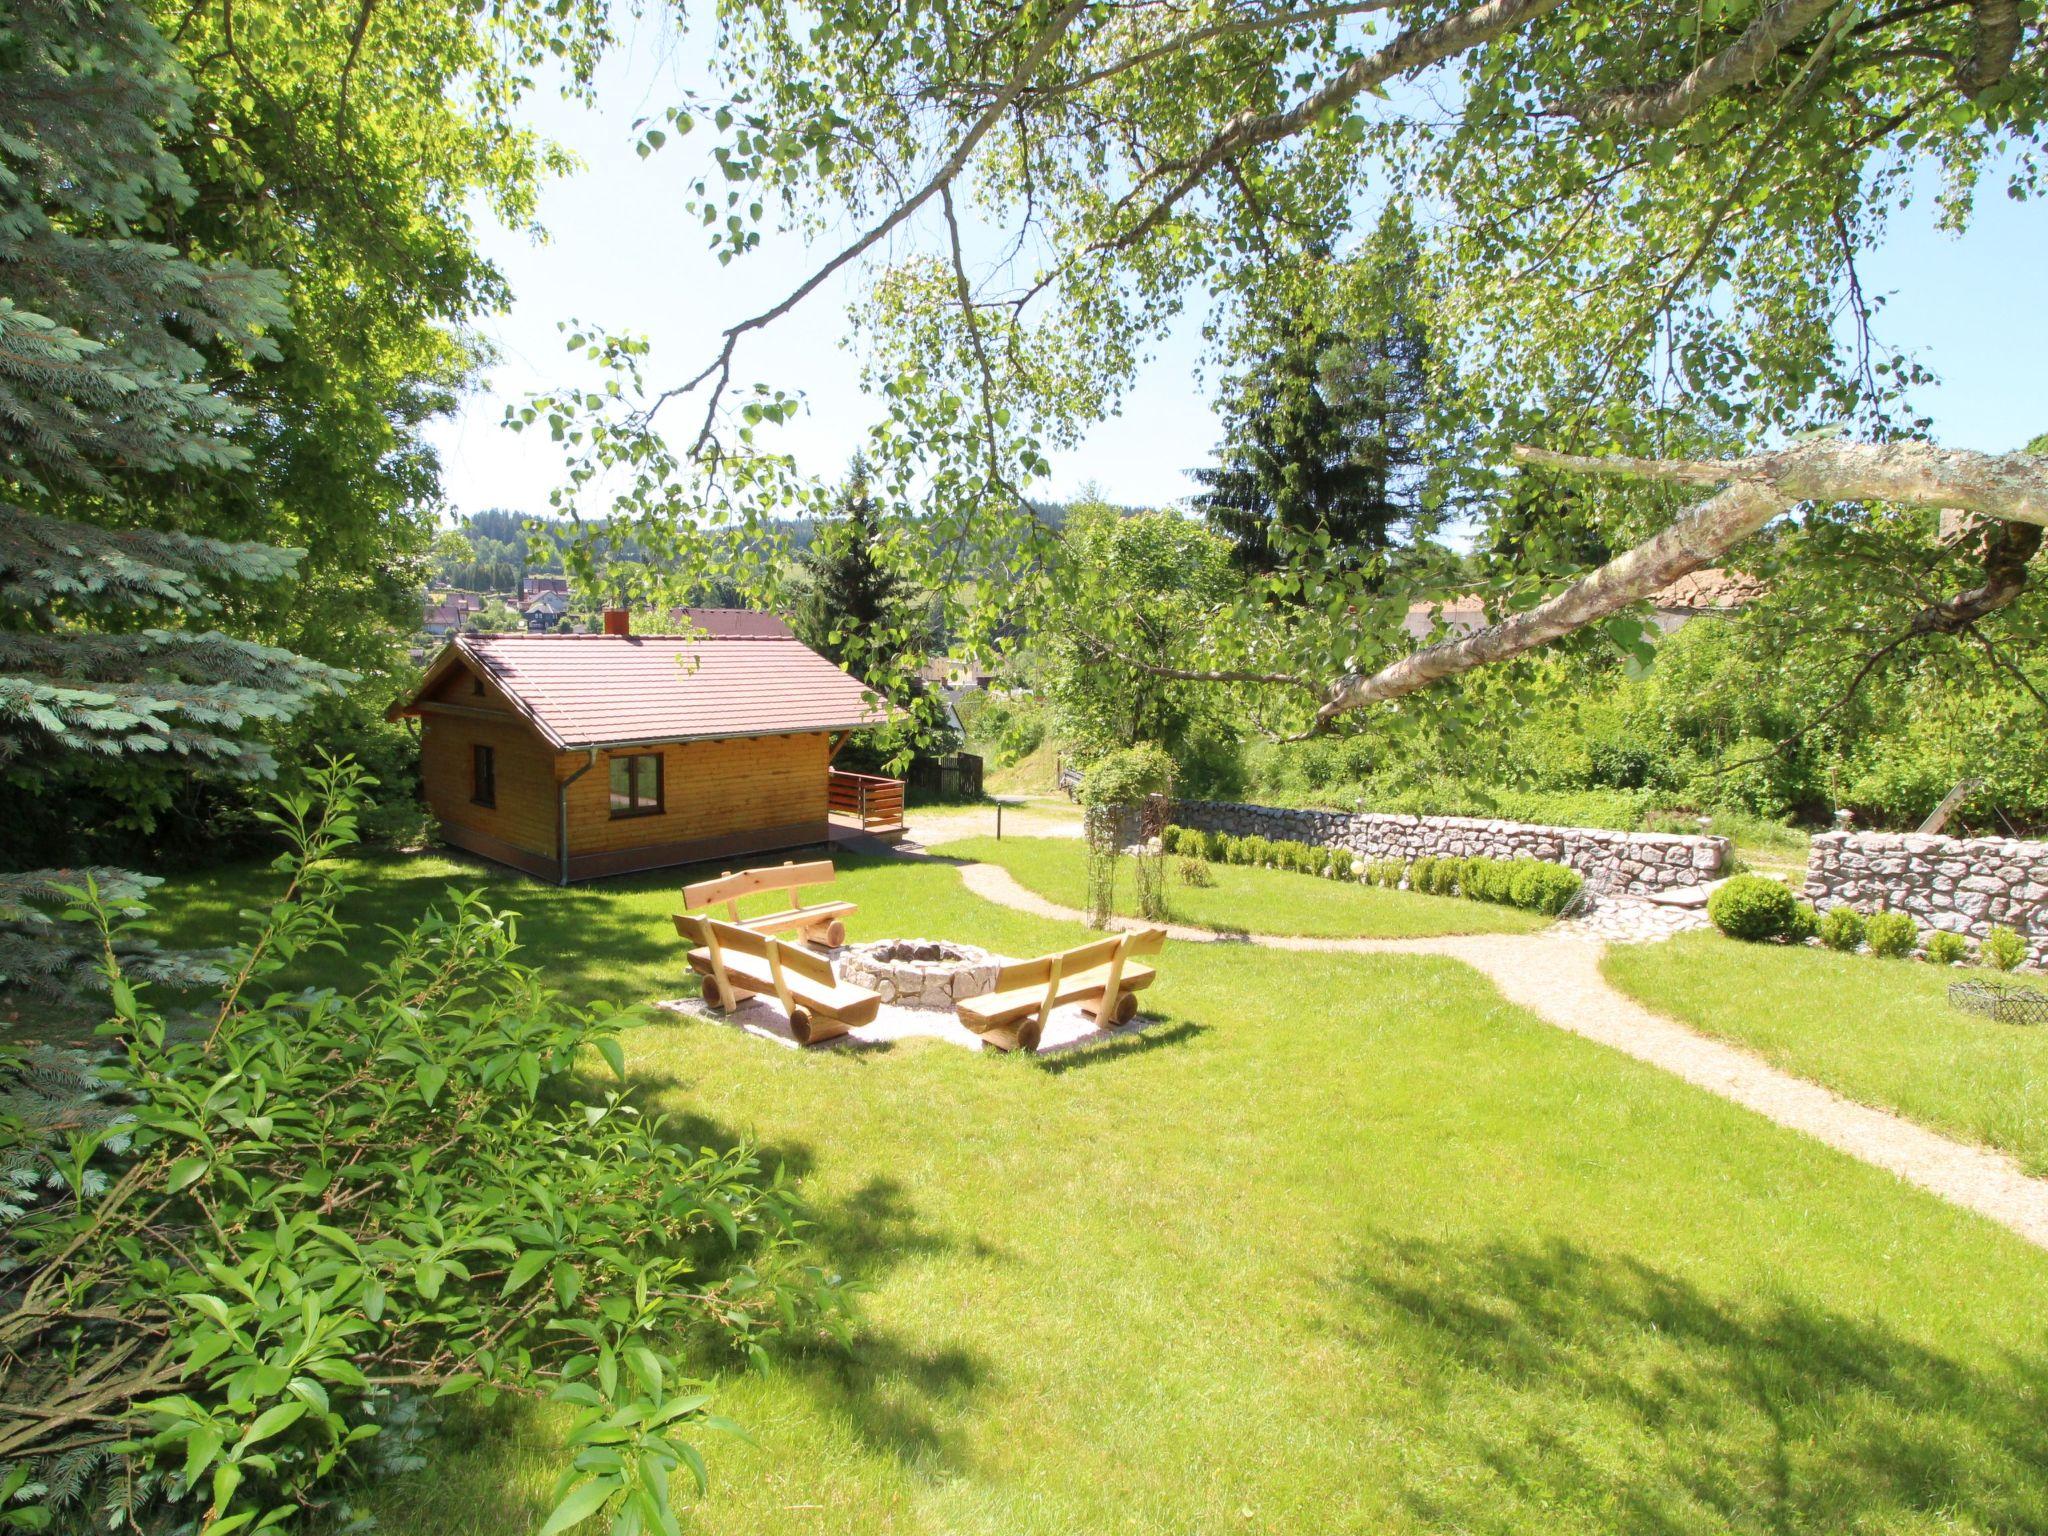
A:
x: 1645, y: 229
x: 1132, y: 587
x: 105, y: 381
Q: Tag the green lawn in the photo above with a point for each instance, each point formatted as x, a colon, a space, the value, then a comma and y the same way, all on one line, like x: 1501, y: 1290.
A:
x: 1250, y: 900
x: 1343, y: 1243
x: 1879, y: 1031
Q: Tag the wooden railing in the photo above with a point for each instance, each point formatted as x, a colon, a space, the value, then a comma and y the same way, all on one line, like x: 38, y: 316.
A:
x: 876, y: 803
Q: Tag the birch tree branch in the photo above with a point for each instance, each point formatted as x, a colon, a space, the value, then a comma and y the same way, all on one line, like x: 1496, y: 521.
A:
x: 720, y: 367
x: 2012, y: 487
x: 1741, y: 63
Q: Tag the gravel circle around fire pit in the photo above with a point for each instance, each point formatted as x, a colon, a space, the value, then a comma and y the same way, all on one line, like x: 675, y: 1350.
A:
x: 919, y: 973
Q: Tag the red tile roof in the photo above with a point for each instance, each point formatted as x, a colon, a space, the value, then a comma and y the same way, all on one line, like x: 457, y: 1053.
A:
x: 1711, y: 587
x: 737, y: 623
x: 618, y: 690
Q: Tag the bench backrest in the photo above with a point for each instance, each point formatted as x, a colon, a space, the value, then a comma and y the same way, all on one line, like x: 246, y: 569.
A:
x: 730, y: 887
x: 724, y: 938
x: 1048, y: 970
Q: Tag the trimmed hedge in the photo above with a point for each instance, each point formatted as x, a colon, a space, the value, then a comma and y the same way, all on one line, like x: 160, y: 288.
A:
x: 1531, y: 884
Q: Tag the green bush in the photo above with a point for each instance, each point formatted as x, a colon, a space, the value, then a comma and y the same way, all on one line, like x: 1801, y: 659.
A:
x: 1892, y: 934
x: 1842, y: 928
x: 1538, y: 886
x: 1443, y: 878
x: 1422, y: 875
x: 1342, y: 862
x: 1193, y: 872
x: 1753, y: 907
x: 1127, y: 776
x: 437, y: 1180
x: 2003, y: 949
x: 1945, y: 948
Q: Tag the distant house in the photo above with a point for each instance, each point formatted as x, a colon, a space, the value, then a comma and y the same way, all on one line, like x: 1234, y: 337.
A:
x: 443, y: 613
x: 545, y: 611
x: 533, y: 586
x: 571, y: 756
x: 735, y: 623
x: 951, y: 672
x: 1461, y: 616
x: 1712, y: 592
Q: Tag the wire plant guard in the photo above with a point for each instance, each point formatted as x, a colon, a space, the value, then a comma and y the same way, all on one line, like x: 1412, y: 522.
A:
x: 2006, y: 1001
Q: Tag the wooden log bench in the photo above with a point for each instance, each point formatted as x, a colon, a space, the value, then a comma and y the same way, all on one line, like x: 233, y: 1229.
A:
x: 737, y: 962
x: 819, y: 923
x: 1101, y: 977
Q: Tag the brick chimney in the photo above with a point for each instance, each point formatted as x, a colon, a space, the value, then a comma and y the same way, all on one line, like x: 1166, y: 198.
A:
x: 618, y: 621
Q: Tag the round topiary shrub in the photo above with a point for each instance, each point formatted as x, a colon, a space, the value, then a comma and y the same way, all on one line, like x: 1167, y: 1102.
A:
x: 1842, y: 928
x: 1753, y: 907
x: 1892, y: 934
x: 1946, y: 948
x: 1805, y: 923
x: 1422, y: 875
x: 1443, y: 878
x: 2002, y: 949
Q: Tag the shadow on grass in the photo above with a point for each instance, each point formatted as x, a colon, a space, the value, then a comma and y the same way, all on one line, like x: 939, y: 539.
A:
x: 1122, y: 1048
x: 1599, y: 1383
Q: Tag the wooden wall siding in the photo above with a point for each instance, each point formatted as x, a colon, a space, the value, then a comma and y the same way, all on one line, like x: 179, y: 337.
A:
x: 712, y: 790
x: 458, y: 687
x: 525, y: 813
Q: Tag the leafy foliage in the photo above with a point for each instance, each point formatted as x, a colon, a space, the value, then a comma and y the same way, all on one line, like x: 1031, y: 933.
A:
x: 1892, y: 934
x: 1841, y: 928
x: 2003, y: 949
x: 1132, y: 589
x: 323, y: 1204
x: 1944, y: 948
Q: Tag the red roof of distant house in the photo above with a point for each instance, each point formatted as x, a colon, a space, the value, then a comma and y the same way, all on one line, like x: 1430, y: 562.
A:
x: 617, y: 690
x: 737, y: 623
x: 1709, y: 588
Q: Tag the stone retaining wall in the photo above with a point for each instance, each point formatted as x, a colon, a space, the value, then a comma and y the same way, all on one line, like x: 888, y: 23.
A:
x: 1612, y: 862
x: 1964, y: 885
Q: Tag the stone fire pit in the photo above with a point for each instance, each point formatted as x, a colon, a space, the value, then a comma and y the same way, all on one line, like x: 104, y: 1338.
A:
x: 920, y: 973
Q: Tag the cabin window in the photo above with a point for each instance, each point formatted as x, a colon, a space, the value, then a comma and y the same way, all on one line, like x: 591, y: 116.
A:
x: 636, y: 785
x: 476, y: 687
x: 483, y: 776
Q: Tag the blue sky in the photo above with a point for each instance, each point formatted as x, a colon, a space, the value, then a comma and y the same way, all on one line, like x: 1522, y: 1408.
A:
x: 621, y: 254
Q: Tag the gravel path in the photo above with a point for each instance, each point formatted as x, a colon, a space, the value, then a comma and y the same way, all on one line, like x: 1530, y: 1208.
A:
x: 1557, y: 978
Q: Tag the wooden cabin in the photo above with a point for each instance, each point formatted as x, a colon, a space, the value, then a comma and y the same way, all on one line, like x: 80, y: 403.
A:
x: 572, y: 756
